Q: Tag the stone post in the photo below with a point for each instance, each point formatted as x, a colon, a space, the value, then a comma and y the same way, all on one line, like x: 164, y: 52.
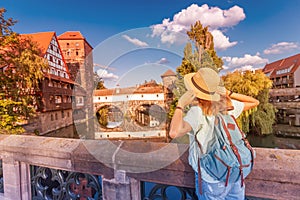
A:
x: 16, y: 176
x: 121, y: 187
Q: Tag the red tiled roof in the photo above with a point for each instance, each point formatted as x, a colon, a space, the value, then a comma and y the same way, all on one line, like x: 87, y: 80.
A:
x: 129, y: 90
x: 292, y: 62
x: 43, y: 39
x: 108, y: 92
x: 71, y: 35
x: 168, y: 73
x: 149, y: 90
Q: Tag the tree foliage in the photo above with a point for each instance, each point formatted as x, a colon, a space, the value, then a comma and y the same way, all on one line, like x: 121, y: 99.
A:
x: 21, y: 70
x: 203, y: 56
x: 204, y: 44
x: 98, y: 82
x: 257, y: 85
x: 5, y: 24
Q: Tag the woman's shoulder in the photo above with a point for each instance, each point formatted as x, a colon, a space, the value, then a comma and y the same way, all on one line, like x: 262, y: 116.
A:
x: 195, y: 109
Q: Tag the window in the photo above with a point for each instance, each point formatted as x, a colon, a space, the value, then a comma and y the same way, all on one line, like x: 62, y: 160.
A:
x: 52, y: 118
x: 56, y: 117
x: 62, y: 114
x: 51, y: 98
x: 76, y: 53
x: 58, y: 99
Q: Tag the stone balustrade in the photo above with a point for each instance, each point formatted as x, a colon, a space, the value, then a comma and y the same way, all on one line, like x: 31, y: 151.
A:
x: 124, y: 164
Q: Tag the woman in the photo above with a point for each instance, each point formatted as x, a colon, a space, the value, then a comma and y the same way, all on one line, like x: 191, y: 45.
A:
x: 203, y: 85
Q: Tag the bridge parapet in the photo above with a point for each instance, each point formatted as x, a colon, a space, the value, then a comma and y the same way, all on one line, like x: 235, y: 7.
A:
x: 276, y: 173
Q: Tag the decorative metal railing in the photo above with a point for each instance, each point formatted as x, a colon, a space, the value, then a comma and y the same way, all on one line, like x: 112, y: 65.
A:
x: 1, y: 178
x: 64, y: 185
x: 153, y: 191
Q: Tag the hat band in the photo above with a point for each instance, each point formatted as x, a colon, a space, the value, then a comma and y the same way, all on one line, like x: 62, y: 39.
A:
x: 201, y: 89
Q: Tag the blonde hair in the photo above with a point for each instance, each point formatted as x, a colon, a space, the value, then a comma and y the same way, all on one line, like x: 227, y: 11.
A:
x: 212, y: 108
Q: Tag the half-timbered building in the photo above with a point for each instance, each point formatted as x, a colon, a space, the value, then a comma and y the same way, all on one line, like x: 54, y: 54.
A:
x: 55, y: 110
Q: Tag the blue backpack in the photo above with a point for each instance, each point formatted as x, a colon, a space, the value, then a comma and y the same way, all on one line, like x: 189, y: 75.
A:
x: 230, y: 157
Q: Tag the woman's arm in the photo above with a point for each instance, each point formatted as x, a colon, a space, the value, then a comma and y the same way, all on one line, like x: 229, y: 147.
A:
x: 249, y: 102
x: 178, y: 126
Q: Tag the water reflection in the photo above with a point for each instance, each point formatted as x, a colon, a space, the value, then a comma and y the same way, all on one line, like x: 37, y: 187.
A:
x: 272, y: 141
x: 267, y: 141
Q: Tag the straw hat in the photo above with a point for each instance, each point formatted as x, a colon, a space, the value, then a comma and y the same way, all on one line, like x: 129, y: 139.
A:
x: 204, y: 83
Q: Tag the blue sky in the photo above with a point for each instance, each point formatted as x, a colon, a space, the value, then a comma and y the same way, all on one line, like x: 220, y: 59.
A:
x: 141, y: 39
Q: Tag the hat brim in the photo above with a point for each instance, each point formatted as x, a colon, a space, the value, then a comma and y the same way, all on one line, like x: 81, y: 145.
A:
x: 190, y: 86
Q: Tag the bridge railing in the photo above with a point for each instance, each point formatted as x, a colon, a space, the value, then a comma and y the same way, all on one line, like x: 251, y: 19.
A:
x: 123, y: 165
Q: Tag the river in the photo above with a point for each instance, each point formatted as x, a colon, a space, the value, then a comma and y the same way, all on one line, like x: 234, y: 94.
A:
x: 266, y: 141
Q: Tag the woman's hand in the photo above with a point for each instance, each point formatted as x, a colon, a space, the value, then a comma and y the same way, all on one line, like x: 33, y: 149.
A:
x: 186, y: 99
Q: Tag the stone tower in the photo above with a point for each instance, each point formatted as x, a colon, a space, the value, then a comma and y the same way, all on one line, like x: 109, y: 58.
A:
x: 169, y: 78
x: 78, y: 55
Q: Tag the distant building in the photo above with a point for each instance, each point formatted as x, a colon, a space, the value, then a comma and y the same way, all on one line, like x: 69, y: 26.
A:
x: 284, y: 73
x: 139, y: 110
x: 285, y: 93
x: 169, y: 82
x: 78, y: 54
x: 55, y: 110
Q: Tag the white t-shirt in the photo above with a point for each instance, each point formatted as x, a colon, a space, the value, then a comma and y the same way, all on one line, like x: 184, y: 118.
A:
x: 204, y: 126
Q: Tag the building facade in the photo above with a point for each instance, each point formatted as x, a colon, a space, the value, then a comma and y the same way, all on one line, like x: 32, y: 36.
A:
x: 78, y: 54
x: 285, y: 93
x: 284, y: 73
x: 131, y: 112
x: 55, y: 110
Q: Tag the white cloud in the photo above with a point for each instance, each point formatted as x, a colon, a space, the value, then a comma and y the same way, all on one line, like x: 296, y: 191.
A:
x: 214, y: 17
x: 163, y: 61
x: 221, y: 41
x: 281, y: 47
x: 135, y: 41
x: 246, y: 62
x: 105, y: 75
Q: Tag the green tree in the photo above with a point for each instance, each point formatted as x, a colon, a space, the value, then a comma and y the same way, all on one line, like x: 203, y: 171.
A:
x: 204, y: 44
x: 203, y: 56
x: 21, y: 70
x: 5, y: 24
x: 257, y: 85
x: 98, y: 82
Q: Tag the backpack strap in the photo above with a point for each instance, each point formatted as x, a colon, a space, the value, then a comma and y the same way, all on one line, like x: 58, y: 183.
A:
x: 234, y: 148
x: 246, y: 142
x: 198, y: 164
x: 199, y: 178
